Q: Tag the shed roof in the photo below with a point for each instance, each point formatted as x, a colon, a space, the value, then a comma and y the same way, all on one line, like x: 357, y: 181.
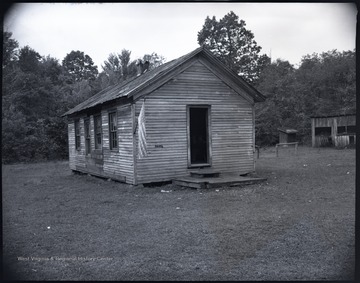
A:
x: 129, y: 87
x: 333, y: 116
x: 288, y: 131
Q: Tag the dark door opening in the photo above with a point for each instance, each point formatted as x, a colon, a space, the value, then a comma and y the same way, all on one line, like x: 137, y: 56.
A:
x: 199, y: 135
x: 323, y: 136
x: 352, y: 140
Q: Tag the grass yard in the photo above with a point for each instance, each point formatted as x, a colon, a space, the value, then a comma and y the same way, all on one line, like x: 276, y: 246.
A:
x: 298, y: 225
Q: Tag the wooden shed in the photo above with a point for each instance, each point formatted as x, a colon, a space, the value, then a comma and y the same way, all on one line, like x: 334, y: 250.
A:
x: 339, y: 130
x: 287, y: 135
x: 192, y: 112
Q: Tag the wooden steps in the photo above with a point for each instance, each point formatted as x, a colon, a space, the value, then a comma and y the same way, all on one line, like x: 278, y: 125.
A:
x: 202, y: 173
x: 210, y: 179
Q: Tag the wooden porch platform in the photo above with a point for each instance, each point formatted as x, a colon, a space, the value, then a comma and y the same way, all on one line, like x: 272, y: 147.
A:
x: 215, y: 182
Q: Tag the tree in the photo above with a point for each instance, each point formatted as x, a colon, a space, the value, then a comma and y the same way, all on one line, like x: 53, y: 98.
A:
x: 10, y: 59
x: 234, y: 45
x: 52, y: 69
x: 328, y: 82
x: 29, y: 60
x: 154, y: 59
x: 324, y: 84
x: 25, y: 94
x: 31, y: 108
x: 10, y: 46
x: 118, y: 67
x: 79, y: 66
x: 112, y: 69
x: 124, y: 57
x: 277, y: 110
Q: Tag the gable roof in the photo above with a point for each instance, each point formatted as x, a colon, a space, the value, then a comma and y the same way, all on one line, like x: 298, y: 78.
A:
x: 129, y: 87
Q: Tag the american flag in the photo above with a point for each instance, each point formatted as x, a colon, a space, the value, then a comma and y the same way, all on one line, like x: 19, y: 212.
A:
x: 142, y: 152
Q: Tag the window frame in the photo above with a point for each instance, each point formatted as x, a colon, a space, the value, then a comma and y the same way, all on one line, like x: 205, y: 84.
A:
x: 97, y: 133
x: 113, y: 139
x: 77, y: 134
x: 87, y: 135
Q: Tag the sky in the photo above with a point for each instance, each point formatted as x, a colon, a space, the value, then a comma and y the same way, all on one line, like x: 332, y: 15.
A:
x: 287, y: 31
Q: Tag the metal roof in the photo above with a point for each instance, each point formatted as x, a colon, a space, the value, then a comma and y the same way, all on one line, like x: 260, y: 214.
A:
x: 129, y: 87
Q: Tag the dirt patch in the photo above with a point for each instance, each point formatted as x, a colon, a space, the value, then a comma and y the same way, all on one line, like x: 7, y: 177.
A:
x: 297, y: 225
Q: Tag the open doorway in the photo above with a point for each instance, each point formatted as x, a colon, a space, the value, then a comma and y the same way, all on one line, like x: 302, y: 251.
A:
x: 199, y: 135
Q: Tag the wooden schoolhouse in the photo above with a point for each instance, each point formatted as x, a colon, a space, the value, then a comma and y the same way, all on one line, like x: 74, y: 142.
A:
x: 192, y: 112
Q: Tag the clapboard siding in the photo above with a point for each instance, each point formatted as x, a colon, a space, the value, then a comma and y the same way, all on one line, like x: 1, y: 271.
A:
x: 120, y: 160
x: 71, y: 141
x: 117, y: 163
x: 166, y: 126
x: 77, y: 157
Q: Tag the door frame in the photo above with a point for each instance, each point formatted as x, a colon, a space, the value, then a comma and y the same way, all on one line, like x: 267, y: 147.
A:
x: 209, y: 143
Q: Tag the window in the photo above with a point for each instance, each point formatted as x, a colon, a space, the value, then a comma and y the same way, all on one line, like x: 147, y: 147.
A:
x: 346, y: 130
x: 323, y: 131
x: 113, y: 130
x: 341, y: 129
x: 98, y: 131
x: 77, y: 134
x: 351, y: 129
x: 87, y: 136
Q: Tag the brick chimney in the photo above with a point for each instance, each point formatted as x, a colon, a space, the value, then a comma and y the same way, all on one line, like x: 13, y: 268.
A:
x: 139, y: 65
x: 145, y: 67
x: 142, y: 67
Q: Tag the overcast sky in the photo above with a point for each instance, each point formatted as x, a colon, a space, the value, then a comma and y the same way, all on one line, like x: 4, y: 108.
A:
x: 283, y: 30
